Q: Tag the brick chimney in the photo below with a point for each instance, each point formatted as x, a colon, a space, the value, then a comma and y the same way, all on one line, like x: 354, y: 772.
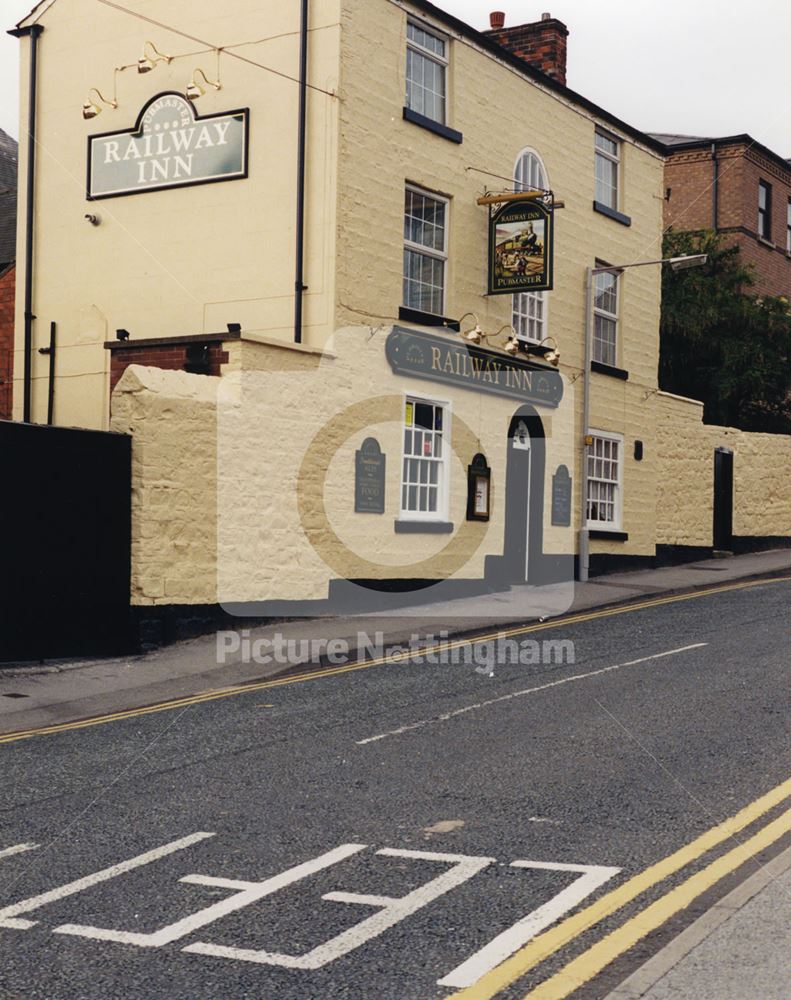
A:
x: 540, y: 43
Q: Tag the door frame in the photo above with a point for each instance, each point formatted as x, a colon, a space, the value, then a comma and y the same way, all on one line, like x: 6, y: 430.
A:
x: 523, y: 541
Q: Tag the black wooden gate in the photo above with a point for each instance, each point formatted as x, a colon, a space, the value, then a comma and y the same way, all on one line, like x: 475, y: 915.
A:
x: 65, y: 504
x: 723, y: 499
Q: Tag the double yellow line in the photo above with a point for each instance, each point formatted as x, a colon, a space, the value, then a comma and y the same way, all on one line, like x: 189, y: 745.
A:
x: 598, y: 956
x: 319, y: 674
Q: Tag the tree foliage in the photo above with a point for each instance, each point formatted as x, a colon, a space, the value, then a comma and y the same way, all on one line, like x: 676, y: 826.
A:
x: 722, y: 344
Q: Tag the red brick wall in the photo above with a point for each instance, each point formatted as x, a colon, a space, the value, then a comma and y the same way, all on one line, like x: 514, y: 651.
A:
x: 169, y: 356
x: 540, y: 43
x: 7, y: 284
x: 689, y: 175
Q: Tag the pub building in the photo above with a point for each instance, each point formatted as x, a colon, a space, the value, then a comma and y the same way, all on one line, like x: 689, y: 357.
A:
x: 340, y: 270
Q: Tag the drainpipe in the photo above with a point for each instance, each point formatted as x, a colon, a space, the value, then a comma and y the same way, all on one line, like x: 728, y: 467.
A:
x: 715, y: 184
x: 33, y: 31
x: 586, y: 381
x: 299, y: 283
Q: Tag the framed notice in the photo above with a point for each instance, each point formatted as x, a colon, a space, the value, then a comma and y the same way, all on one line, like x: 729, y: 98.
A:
x: 479, y: 479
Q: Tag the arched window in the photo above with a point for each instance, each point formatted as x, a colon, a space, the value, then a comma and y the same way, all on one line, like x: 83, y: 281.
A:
x: 529, y: 311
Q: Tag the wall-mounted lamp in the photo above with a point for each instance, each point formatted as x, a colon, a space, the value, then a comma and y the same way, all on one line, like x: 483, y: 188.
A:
x: 511, y: 346
x: 91, y: 109
x: 150, y: 57
x: 475, y: 334
x: 552, y: 356
x: 195, y: 90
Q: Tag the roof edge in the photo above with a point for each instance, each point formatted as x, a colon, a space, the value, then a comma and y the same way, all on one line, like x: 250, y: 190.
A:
x: 481, y: 39
x: 743, y: 138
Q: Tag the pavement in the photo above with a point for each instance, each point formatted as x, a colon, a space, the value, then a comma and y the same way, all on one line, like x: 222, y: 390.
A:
x: 413, y: 829
x: 740, y: 949
x: 56, y: 692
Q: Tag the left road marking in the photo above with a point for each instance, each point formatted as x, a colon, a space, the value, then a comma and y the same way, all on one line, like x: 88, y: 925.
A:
x: 167, y: 706
x: 525, y: 691
x: 9, y: 915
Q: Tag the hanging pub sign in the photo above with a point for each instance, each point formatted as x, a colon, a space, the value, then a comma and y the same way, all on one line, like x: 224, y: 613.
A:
x: 520, y: 247
x: 170, y: 146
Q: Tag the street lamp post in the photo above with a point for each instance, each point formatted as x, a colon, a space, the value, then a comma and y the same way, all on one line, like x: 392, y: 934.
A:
x: 677, y: 264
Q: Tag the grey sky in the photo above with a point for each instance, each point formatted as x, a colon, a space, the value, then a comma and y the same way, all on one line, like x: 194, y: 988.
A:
x: 701, y: 67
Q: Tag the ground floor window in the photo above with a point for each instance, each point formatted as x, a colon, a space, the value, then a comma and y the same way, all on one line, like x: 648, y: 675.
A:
x: 423, y: 490
x: 605, y: 468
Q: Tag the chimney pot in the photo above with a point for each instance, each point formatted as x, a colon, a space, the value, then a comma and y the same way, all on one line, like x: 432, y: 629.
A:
x: 497, y: 19
x: 546, y: 17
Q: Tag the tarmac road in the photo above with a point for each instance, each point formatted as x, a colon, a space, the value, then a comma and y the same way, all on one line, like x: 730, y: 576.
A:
x: 452, y: 817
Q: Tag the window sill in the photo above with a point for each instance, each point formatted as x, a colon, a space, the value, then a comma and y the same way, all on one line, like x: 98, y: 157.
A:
x: 602, y: 369
x: 407, y: 527
x: 426, y: 319
x: 766, y: 242
x: 611, y: 213
x: 603, y: 534
x: 430, y: 125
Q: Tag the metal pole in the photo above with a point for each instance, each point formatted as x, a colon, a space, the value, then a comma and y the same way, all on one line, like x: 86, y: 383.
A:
x: 299, y: 285
x: 586, y: 378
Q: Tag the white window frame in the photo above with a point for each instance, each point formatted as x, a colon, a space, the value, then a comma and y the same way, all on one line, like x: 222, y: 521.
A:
x: 612, y: 158
x: 523, y: 303
x: 443, y: 61
x: 788, y: 226
x: 429, y: 251
x: 617, y: 523
x: 442, y: 513
x: 614, y: 317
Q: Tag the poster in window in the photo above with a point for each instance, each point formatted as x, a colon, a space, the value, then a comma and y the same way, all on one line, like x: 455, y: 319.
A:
x: 520, y: 248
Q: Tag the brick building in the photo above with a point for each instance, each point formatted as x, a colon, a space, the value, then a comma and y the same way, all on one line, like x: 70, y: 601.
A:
x: 8, y: 179
x: 739, y: 188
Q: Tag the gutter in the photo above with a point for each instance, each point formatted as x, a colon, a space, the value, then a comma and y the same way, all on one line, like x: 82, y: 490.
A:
x: 299, y: 281
x: 715, y: 185
x: 33, y: 32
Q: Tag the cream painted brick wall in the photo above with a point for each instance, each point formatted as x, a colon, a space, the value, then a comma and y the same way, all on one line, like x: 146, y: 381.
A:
x: 762, y: 472
x: 172, y: 419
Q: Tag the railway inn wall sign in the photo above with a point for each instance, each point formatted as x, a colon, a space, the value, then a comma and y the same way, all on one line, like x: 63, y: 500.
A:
x: 440, y: 359
x: 170, y: 146
x: 521, y: 235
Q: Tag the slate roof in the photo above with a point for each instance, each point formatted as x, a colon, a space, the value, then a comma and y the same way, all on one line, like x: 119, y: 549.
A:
x: 8, y: 183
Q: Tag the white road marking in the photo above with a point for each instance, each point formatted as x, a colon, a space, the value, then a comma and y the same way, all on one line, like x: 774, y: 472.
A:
x: 392, y: 912
x: 6, y: 852
x: 9, y: 914
x: 525, y: 691
x: 246, y: 893
x: 511, y: 940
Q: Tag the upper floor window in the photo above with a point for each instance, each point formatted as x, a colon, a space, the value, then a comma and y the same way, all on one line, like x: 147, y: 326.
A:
x: 608, y: 162
x: 605, y: 317
x: 788, y: 227
x: 764, y: 210
x: 426, y: 73
x: 425, y: 251
x: 529, y: 309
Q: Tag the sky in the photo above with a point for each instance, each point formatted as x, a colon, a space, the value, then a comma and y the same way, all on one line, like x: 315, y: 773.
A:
x: 697, y: 67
